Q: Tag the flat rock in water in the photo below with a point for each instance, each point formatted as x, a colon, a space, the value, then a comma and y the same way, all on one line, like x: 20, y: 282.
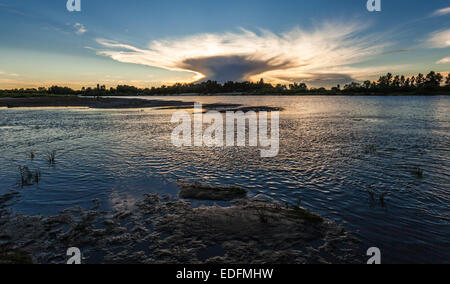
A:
x: 200, y: 191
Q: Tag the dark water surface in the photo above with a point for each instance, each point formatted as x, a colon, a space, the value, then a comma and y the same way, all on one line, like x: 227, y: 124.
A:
x: 338, y: 155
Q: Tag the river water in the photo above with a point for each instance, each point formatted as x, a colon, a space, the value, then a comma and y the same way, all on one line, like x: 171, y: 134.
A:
x: 338, y: 156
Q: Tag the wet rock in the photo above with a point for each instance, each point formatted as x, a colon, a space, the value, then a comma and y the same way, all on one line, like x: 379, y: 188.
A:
x: 139, y: 229
x: 201, y: 191
x: 122, y: 215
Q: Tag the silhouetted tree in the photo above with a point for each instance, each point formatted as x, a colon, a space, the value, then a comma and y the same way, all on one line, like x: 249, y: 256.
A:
x: 396, y: 82
x: 420, y: 80
x: 433, y: 80
x: 413, y: 81
x: 407, y: 83
x: 386, y: 84
x: 403, y: 81
x: 298, y: 87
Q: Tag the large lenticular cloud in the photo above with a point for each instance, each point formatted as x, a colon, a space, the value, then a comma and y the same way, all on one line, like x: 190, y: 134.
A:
x: 316, y: 55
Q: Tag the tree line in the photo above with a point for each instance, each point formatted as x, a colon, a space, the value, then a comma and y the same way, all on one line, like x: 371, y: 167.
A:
x: 432, y: 83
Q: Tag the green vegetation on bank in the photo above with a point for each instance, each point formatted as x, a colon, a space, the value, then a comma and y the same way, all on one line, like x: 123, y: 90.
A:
x: 431, y: 84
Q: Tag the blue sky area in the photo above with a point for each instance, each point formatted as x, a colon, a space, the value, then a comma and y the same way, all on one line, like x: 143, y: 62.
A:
x: 149, y: 43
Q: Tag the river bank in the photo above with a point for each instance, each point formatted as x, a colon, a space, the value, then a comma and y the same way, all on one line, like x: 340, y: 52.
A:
x: 119, y: 103
x: 96, y: 103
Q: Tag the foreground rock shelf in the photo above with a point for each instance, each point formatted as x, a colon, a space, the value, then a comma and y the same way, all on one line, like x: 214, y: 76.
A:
x: 165, y: 230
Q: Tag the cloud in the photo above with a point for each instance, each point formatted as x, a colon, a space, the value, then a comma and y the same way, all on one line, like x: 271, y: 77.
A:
x: 441, y: 12
x: 444, y: 60
x: 248, y: 55
x: 439, y: 39
x: 7, y: 83
x: 79, y: 29
x: 9, y: 74
x: 396, y: 51
x: 229, y: 68
x: 321, y: 79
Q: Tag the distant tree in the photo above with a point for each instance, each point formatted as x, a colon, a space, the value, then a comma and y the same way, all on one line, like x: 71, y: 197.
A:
x: 385, y: 81
x: 433, y: 80
x: 335, y: 90
x: 298, y: 87
x: 56, y: 90
x: 353, y: 86
x: 407, y: 83
x: 447, y: 80
x: 386, y: 84
x: 420, y: 80
x: 403, y: 81
x: 389, y: 77
x: 396, y: 82
x: 261, y: 82
x: 413, y: 81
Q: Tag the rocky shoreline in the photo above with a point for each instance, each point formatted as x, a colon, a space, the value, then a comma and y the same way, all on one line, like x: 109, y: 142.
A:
x: 163, y: 229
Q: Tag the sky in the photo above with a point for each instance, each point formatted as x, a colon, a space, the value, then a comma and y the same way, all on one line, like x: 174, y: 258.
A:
x: 153, y: 42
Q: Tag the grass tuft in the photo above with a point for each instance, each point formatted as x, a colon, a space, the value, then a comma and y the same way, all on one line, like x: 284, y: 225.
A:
x: 29, y: 177
x: 418, y: 172
x: 51, y: 157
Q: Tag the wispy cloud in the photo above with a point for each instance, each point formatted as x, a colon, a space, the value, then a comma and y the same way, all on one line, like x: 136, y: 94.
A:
x: 444, y: 60
x: 12, y: 10
x: 439, y: 39
x: 248, y: 55
x: 9, y: 74
x: 396, y: 51
x: 441, y: 12
x: 79, y: 29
